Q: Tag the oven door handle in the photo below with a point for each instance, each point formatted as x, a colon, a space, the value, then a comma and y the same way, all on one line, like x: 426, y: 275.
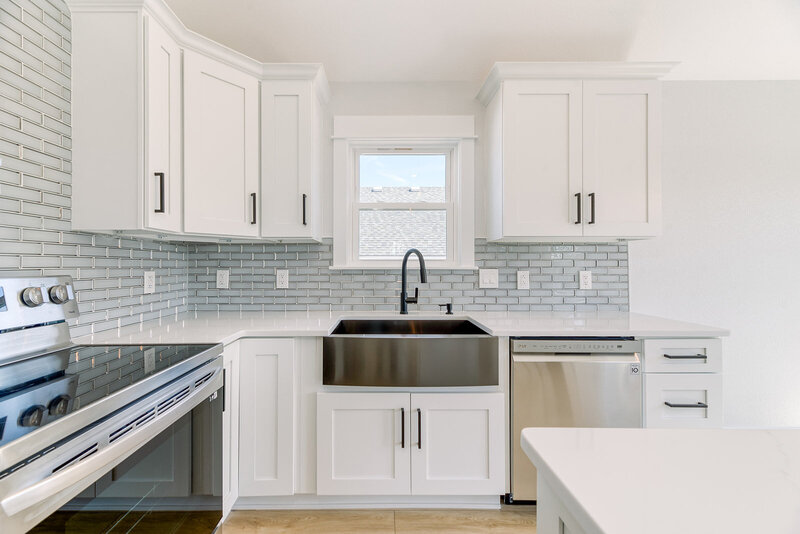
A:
x: 63, y: 483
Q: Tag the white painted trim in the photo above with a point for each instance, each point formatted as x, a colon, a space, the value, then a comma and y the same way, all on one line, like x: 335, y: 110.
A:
x: 187, y: 38
x: 433, y: 127
x: 510, y: 70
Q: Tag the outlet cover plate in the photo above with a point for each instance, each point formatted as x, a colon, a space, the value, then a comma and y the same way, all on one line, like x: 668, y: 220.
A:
x: 149, y: 282
x: 223, y: 278
x: 488, y: 278
x: 586, y: 280
x: 523, y: 279
x: 282, y: 278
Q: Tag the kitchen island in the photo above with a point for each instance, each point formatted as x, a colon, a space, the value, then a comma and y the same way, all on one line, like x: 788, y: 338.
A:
x: 659, y: 481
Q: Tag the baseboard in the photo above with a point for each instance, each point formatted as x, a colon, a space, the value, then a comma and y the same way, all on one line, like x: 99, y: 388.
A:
x: 349, y: 502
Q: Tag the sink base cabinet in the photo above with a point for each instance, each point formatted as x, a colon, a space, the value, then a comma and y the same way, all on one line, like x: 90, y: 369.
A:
x: 417, y: 444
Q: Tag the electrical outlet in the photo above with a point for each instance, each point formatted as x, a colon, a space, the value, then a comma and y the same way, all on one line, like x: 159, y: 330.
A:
x: 223, y: 279
x: 586, y: 279
x: 487, y: 278
x: 523, y: 280
x: 149, y: 282
x: 282, y: 279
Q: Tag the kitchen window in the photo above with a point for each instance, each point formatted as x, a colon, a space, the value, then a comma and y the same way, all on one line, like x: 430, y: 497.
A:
x: 392, y: 194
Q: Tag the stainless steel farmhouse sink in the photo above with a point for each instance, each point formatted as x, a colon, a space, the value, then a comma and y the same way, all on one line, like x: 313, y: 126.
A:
x: 409, y: 353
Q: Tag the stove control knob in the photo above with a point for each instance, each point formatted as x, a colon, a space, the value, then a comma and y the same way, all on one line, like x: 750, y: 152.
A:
x: 59, y: 405
x: 58, y: 294
x: 32, y: 297
x: 32, y: 416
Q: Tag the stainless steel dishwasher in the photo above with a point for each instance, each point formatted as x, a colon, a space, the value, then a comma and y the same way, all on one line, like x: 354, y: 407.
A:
x: 570, y: 382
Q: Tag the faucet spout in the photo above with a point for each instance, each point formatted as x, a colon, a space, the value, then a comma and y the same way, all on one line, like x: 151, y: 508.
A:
x: 423, y: 278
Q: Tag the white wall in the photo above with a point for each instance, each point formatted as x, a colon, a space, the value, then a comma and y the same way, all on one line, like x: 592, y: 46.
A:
x: 730, y: 252
x: 433, y: 98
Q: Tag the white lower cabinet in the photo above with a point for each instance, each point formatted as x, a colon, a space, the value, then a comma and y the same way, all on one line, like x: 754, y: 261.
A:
x: 266, y: 417
x: 418, y: 444
x: 363, y: 441
x: 230, y: 428
x: 683, y: 400
x: 683, y: 383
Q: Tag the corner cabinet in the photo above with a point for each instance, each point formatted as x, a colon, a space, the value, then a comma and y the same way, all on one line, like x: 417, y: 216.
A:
x: 266, y: 417
x: 127, y: 122
x: 294, y: 132
x: 410, y: 444
x: 220, y: 148
x: 574, y: 157
x: 176, y: 136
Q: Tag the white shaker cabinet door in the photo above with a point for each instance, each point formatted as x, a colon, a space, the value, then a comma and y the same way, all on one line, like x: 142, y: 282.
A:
x: 458, y: 444
x: 266, y: 417
x: 621, y: 158
x: 541, y: 158
x: 220, y: 148
x: 286, y: 158
x: 363, y: 444
x: 163, y: 179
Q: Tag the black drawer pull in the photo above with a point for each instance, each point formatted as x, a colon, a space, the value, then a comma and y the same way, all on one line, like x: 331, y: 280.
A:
x: 679, y: 405
x: 593, y: 198
x: 580, y: 207
x: 304, y: 209
x: 686, y: 356
x: 253, y: 198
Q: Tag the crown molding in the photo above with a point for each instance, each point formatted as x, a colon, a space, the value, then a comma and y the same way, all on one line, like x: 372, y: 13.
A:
x: 186, y: 38
x: 507, y: 70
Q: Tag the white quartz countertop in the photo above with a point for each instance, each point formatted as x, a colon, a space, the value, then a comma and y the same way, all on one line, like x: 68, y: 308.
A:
x: 665, y: 481
x: 225, y: 327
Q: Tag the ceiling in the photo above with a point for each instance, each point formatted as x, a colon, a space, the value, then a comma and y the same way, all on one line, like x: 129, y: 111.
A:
x: 459, y: 40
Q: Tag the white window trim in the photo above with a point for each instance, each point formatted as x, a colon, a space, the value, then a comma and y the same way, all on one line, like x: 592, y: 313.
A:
x: 352, y: 134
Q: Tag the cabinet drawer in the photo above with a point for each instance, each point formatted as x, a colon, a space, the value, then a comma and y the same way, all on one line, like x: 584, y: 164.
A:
x: 682, y: 355
x: 696, y: 400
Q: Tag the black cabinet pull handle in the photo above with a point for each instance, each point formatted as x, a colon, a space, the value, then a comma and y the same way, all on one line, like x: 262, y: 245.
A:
x: 304, y: 209
x: 594, y: 201
x: 402, y: 428
x: 224, y: 387
x: 686, y: 356
x: 678, y: 405
x: 161, y: 207
x: 253, y: 198
x: 419, y: 428
x: 580, y: 207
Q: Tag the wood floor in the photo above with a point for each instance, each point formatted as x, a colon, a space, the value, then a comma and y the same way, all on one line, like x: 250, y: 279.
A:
x: 515, y: 519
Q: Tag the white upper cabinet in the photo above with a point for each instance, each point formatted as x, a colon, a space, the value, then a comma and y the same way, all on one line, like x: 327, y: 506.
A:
x: 293, y: 134
x: 622, y: 157
x: 127, y: 123
x: 541, y: 164
x: 163, y: 179
x: 170, y: 138
x: 220, y: 147
x: 571, y: 156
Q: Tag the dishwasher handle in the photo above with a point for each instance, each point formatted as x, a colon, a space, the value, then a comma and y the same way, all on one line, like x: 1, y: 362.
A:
x: 631, y: 357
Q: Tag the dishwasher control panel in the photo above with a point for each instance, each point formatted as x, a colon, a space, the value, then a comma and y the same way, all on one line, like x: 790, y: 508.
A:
x: 575, y: 346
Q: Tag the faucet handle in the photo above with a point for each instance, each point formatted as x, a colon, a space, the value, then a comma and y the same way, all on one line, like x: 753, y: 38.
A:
x: 449, y: 306
x: 415, y: 298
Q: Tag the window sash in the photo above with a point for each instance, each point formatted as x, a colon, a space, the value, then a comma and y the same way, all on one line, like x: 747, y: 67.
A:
x: 449, y: 206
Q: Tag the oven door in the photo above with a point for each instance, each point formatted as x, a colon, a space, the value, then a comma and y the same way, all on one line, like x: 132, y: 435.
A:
x: 154, y: 466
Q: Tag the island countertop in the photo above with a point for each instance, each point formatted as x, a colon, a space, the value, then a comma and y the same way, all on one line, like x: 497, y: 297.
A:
x: 665, y: 481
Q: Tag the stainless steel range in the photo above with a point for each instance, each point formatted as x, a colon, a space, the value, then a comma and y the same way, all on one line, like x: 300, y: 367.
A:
x: 102, y: 438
